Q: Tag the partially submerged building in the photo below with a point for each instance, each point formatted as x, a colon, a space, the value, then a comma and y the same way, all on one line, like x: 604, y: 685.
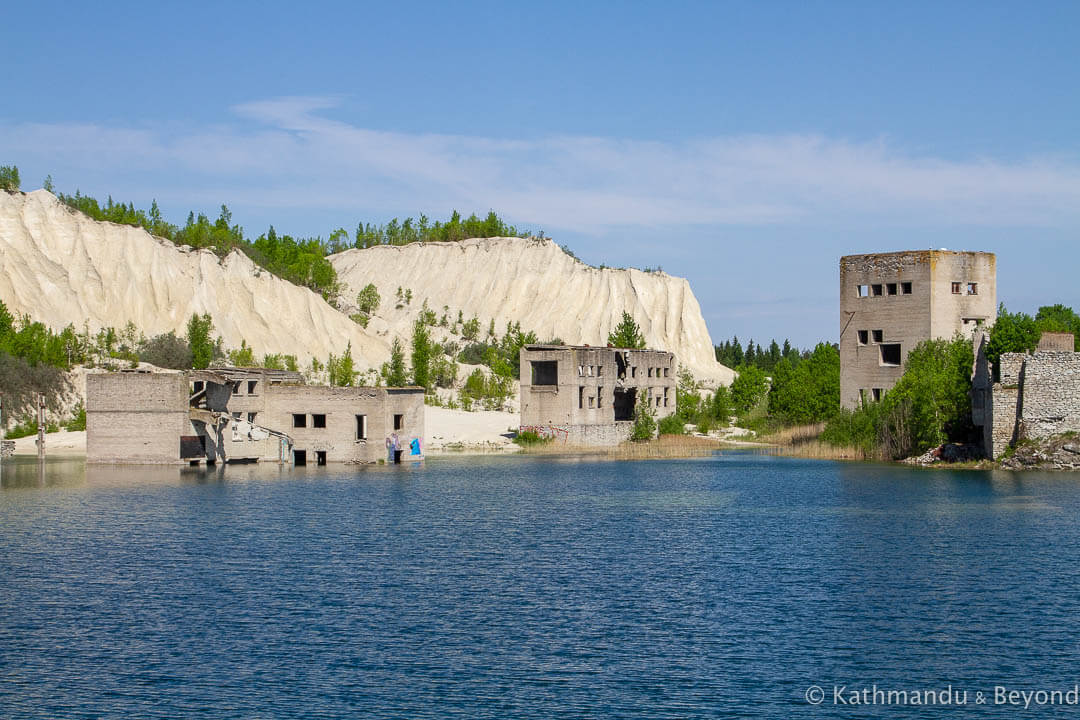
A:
x: 586, y: 395
x: 247, y: 415
x: 1035, y: 395
x: 890, y: 302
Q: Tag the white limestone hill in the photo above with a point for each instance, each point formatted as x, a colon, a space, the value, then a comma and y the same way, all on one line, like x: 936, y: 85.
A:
x: 61, y: 267
x: 531, y: 281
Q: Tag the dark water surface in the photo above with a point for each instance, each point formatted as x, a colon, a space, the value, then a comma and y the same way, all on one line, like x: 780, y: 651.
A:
x: 512, y: 587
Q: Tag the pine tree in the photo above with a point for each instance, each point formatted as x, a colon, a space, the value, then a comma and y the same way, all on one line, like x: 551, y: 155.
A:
x: 626, y: 334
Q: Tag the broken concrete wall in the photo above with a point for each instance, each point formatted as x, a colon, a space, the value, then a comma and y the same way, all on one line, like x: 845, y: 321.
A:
x: 136, y: 417
x: 590, y: 381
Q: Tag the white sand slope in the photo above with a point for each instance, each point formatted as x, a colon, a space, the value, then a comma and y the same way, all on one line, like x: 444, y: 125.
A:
x: 61, y: 267
x: 535, y: 283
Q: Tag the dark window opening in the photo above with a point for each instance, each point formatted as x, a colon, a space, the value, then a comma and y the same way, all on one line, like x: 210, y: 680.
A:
x: 864, y: 337
x: 318, y: 421
x: 600, y: 396
x: 956, y: 288
x: 581, y: 397
x: 198, y: 386
x: 361, y: 427
x: 599, y: 371
x: 875, y: 290
x: 973, y: 289
x: 397, y: 457
x: 633, y: 371
x: 545, y: 372
x: 876, y: 394
x: 299, y: 457
x: 905, y: 288
x: 890, y: 354
x: 591, y: 402
x: 299, y: 420
x: 192, y: 446
x: 399, y: 422
x: 251, y: 417
x: 625, y: 399
x: 252, y: 384
x: 666, y: 371
x: 879, y: 336
x: 890, y: 288
x: 862, y: 290
x: 620, y: 366
x: 236, y: 388
x: 320, y: 457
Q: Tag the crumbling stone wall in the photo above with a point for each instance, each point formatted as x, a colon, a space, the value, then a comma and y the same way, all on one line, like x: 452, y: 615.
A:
x: 1050, y: 394
x: 1038, y: 396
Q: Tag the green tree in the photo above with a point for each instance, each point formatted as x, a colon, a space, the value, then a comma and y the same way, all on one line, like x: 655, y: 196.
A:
x: 1059, y: 318
x: 199, y: 329
x: 421, y: 354
x: 367, y: 300
x: 748, y: 387
x: 47, y: 186
x: 721, y: 405
x: 243, y: 357
x: 626, y: 334
x: 9, y: 178
x: 1012, y: 332
x: 810, y: 391
x: 342, y: 369
x: 166, y: 351
x: 644, y: 427
x: 394, y: 369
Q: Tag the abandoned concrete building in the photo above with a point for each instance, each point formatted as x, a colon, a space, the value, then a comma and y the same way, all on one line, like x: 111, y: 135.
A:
x: 247, y: 415
x: 1036, y: 395
x: 586, y: 395
x: 890, y: 302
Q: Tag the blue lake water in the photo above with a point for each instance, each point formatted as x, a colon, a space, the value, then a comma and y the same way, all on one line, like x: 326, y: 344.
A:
x: 505, y: 587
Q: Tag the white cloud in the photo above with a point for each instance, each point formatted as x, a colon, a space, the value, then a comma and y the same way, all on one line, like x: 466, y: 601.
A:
x: 290, y: 152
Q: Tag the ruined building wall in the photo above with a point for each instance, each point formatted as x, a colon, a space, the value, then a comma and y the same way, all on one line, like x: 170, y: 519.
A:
x: 576, y: 403
x: 1038, y: 397
x: 897, y: 300
x: 136, y: 417
x: 1050, y: 394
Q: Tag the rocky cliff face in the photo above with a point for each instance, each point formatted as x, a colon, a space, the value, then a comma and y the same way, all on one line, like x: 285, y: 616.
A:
x: 537, y: 284
x: 61, y: 267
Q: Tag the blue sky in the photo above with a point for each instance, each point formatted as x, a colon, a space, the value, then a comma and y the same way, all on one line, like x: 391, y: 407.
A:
x: 745, y: 146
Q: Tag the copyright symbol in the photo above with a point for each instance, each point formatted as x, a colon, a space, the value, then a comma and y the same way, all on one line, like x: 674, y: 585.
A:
x: 815, y: 695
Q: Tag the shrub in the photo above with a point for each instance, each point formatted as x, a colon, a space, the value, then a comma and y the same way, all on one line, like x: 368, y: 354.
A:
x: 531, y: 437
x: 166, y: 351
x: 672, y: 425
x: 644, y: 420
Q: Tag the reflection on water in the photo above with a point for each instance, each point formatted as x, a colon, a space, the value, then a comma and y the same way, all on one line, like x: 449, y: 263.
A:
x: 525, y: 587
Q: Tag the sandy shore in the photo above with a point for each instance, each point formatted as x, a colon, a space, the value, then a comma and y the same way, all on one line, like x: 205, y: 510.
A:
x: 445, y: 431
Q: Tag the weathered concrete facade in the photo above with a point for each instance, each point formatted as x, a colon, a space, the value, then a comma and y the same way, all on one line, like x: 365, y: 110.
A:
x: 1037, y: 396
x: 586, y: 395
x: 890, y: 302
x: 247, y: 415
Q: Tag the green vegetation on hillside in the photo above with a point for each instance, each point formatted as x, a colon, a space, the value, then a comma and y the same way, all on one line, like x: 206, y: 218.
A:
x: 9, y: 178
x: 301, y: 261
